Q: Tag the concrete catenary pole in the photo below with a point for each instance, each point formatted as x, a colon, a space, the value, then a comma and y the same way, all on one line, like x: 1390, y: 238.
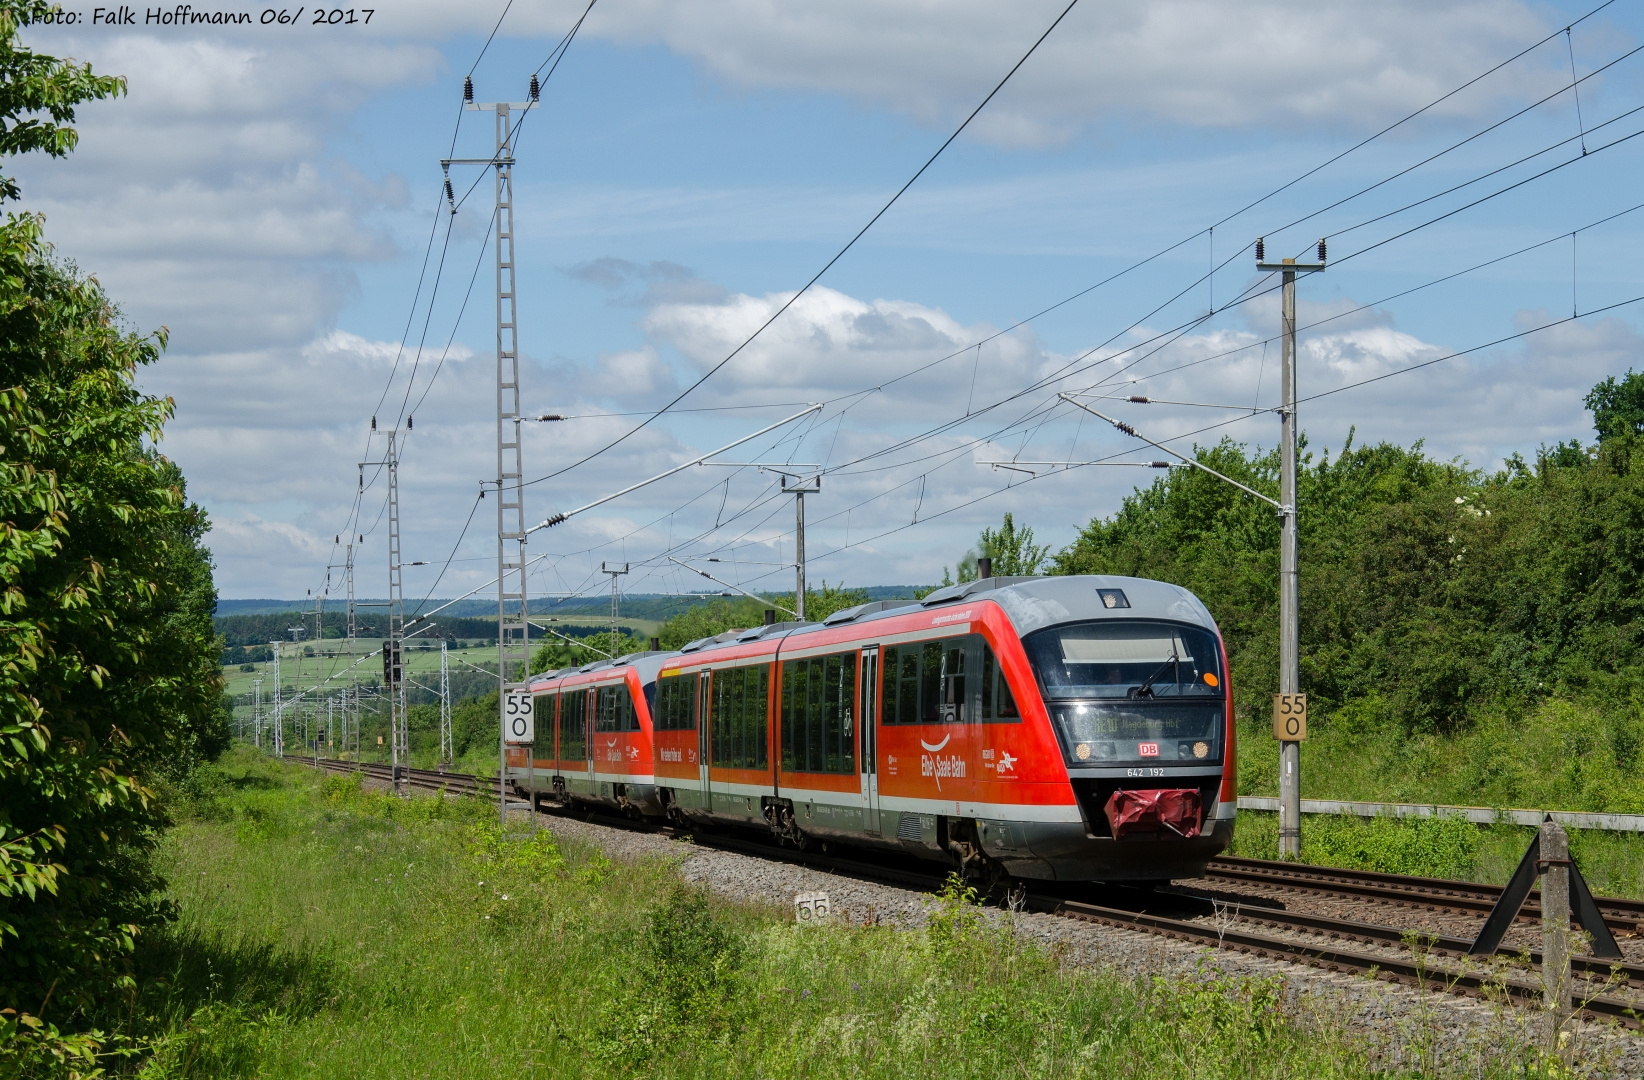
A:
x: 799, y: 489
x: 1289, y: 633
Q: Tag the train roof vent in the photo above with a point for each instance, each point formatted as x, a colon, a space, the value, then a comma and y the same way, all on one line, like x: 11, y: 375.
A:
x: 773, y: 628
x: 850, y: 614
x: 734, y: 634
x: 970, y: 588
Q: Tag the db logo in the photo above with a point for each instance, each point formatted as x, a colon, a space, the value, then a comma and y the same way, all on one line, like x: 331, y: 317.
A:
x: 1148, y: 749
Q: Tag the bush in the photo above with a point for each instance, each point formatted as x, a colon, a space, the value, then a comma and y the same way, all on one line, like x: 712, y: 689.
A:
x: 109, y: 676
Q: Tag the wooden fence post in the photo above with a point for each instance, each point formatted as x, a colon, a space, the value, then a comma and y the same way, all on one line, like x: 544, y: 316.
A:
x: 1555, y: 928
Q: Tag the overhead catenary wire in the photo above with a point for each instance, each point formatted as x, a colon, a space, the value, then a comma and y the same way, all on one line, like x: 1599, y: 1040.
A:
x: 826, y: 266
x: 1335, y: 158
x: 1252, y: 205
x: 1440, y: 99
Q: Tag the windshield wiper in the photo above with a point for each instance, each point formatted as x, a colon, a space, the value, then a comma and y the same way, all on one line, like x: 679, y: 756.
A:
x: 1146, y: 689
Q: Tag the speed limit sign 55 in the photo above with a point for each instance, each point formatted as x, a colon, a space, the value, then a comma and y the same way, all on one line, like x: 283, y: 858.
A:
x: 518, y: 724
x: 1290, y: 717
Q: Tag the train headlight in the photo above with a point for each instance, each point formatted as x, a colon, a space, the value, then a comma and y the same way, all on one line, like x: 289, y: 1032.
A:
x: 1082, y: 751
x: 1201, y: 749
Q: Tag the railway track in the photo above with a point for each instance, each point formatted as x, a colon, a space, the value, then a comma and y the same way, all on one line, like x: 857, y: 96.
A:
x: 1318, y: 941
x: 1433, y: 894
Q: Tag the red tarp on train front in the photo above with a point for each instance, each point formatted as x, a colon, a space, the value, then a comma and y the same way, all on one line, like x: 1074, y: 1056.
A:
x: 1162, y: 812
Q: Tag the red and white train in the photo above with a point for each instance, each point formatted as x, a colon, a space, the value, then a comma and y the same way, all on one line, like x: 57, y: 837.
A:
x: 1069, y: 728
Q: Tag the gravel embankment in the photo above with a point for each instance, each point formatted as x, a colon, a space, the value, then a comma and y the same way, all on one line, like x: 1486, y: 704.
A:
x: 1408, y: 1027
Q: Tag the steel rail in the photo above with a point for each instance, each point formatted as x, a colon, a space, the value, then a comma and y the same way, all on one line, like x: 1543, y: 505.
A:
x: 1366, y: 933
x: 1439, y: 893
x: 1411, y: 971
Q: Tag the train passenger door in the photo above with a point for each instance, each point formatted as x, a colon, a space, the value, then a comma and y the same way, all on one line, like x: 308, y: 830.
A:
x: 590, y: 711
x: 702, y: 747
x: 867, y: 712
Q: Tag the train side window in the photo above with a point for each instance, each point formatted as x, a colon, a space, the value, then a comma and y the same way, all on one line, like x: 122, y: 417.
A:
x: 955, y: 707
x: 738, y: 716
x: 998, y: 703
x: 616, y: 712
x: 930, y: 682
x: 573, y: 726
x: 675, y: 703
x: 542, y: 739
x: 906, y: 673
x: 818, y: 714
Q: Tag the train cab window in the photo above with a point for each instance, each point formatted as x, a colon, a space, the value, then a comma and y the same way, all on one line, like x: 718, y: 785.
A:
x: 998, y: 703
x: 1132, y: 691
x: 542, y: 739
x: 1127, y: 658
x: 924, y: 683
x: 818, y: 714
x: 739, y: 717
x: 676, y: 703
x: 573, y: 725
x: 615, y: 710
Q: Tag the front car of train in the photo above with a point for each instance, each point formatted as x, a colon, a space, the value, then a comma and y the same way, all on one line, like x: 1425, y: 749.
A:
x: 593, y: 735
x: 1130, y: 680
x: 1074, y: 728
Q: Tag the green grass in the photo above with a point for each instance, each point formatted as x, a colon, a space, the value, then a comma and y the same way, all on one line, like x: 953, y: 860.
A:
x: 327, y: 931
x: 1557, y: 755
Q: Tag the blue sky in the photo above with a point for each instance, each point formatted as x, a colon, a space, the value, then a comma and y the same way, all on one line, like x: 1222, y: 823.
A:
x: 268, y: 194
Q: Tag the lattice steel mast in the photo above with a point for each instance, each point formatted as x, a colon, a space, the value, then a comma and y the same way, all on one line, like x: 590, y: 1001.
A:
x: 445, y: 708
x: 513, y: 639
x: 393, y: 682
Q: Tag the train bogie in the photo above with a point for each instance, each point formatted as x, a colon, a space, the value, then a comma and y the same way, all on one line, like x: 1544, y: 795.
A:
x: 1072, y: 728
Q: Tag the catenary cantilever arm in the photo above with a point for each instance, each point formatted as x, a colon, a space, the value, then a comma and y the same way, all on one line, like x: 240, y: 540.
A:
x: 1128, y: 430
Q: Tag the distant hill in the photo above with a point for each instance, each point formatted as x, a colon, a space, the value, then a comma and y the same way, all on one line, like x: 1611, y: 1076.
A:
x: 252, y: 624
x: 637, y: 605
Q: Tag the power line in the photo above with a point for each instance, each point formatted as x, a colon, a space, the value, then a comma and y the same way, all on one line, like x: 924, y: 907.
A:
x: 826, y: 266
x: 1229, y: 217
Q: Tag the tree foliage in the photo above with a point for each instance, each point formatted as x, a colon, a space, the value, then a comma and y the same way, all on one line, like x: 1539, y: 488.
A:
x: 108, y: 674
x: 32, y: 84
x: 1425, y: 585
x: 742, y: 612
x: 1618, y: 406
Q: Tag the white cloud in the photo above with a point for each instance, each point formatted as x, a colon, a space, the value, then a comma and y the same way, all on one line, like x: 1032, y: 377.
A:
x: 204, y: 199
x: 1213, y: 63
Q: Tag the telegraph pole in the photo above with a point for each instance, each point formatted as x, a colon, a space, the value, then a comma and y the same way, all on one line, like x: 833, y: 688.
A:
x: 614, y: 575
x: 799, y: 490
x: 513, y: 632
x: 1289, y: 634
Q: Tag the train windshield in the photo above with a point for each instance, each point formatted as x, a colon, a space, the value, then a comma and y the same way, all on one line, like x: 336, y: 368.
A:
x: 1133, y: 659
x: 1132, y: 691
